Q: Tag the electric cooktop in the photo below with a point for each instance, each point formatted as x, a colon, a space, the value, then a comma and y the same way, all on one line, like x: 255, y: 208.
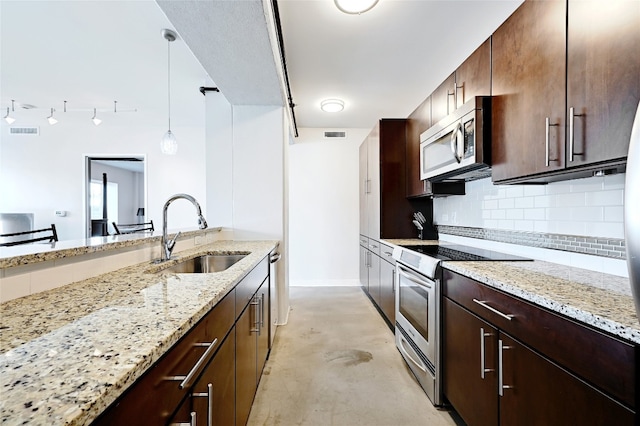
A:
x: 458, y: 252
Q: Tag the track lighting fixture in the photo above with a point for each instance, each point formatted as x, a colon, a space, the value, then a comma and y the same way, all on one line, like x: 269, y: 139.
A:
x: 51, y: 119
x: 8, y: 118
x: 169, y: 144
x: 95, y: 119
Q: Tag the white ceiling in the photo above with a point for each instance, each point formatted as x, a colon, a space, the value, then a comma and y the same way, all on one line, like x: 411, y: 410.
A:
x: 382, y: 63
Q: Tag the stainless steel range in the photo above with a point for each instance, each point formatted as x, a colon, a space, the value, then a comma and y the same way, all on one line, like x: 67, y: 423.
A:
x: 418, y: 296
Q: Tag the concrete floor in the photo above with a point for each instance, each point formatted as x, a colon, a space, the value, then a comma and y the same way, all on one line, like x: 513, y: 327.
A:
x: 335, y: 363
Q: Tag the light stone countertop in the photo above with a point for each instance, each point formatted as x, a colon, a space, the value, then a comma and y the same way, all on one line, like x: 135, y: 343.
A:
x: 40, y: 252
x: 68, y: 353
x: 600, y: 300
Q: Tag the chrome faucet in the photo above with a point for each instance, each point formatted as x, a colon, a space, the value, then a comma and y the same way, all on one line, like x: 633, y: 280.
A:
x: 167, y: 246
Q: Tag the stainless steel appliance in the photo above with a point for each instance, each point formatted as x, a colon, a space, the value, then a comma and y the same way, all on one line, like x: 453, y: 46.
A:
x: 458, y: 147
x: 632, y: 210
x: 418, y: 295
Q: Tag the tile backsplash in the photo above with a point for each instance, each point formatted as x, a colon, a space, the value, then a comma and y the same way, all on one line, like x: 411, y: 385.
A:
x: 590, y: 207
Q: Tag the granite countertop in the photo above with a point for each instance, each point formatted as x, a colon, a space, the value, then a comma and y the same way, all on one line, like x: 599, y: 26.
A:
x: 40, y: 252
x: 68, y: 353
x: 600, y: 300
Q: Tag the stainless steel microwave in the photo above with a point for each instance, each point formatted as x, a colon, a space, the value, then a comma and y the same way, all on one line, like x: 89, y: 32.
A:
x: 458, y: 147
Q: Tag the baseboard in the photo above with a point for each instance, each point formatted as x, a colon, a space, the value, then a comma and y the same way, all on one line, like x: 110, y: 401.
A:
x: 324, y: 283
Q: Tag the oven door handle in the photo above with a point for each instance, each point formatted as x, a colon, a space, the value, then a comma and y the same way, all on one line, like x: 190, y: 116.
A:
x: 405, y: 351
x: 413, y: 278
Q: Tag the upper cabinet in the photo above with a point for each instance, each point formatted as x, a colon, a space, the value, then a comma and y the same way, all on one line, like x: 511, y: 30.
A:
x: 564, y: 95
x: 443, y: 100
x: 473, y: 77
x: 418, y: 122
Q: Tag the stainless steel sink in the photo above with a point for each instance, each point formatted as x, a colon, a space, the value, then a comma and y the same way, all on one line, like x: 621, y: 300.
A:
x: 206, y: 264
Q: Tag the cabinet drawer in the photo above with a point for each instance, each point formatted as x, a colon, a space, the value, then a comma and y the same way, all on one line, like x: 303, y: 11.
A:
x: 250, y: 284
x: 153, y: 398
x: 364, y: 241
x: 604, y: 361
x: 374, y: 246
x: 386, y: 253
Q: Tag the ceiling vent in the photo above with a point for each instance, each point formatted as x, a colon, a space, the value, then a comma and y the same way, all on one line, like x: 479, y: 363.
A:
x: 24, y: 131
x: 334, y: 135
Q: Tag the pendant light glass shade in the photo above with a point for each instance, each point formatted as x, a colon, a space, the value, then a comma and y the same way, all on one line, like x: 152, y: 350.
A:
x: 95, y: 119
x: 169, y: 144
x: 51, y: 119
x: 8, y: 118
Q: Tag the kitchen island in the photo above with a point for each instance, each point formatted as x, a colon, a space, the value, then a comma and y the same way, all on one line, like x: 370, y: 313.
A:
x: 68, y: 353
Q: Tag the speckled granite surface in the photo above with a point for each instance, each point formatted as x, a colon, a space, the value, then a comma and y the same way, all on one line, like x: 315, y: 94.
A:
x: 601, y: 300
x: 66, y: 354
x: 40, y: 252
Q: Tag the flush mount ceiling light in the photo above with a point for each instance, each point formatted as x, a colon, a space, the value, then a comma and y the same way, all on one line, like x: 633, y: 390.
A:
x: 355, y: 7
x: 7, y: 118
x: 51, y: 119
x: 169, y: 144
x: 332, y: 105
x: 95, y: 119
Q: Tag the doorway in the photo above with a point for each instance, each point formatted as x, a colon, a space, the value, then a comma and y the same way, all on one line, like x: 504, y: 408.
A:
x: 115, y: 191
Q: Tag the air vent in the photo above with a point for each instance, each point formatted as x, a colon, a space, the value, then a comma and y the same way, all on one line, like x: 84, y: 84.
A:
x: 24, y: 130
x: 333, y: 135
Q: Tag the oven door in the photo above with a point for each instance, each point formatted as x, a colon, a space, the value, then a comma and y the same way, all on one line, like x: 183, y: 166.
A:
x: 416, y: 309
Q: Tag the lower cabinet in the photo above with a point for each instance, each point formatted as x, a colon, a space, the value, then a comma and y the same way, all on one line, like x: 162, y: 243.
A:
x: 493, y: 373
x: 252, y: 347
x: 377, y: 277
x: 211, y: 375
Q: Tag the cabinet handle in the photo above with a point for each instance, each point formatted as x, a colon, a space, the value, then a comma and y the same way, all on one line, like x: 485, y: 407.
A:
x: 572, y: 115
x: 454, y: 98
x: 187, y: 381
x: 501, y: 386
x: 547, y: 125
x: 256, y: 323
x: 261, y: 311
x: 483, y: 369
x: 457, y: 142
x: 192, y: 421
x: 393, y: 282
x: 209, y: 396
x: 456, y: 87
x: 483, y: 303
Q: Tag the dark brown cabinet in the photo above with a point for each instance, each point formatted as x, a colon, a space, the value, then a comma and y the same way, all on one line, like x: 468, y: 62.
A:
x: 443, y: 99
x: 211, y: 375
x: 507, y: 362
x: 252, y: 346
x: 418, y: 122
x: 564, y: 96
x: 473, y: 77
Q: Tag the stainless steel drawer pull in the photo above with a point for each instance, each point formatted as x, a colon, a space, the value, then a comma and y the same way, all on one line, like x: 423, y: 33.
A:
x: 547, y: 125
x: 187, y: 380
x: 192, y: 422
x: 501, y: 386
x: 209, y: 396
x: 483, y: 369
x: 483, y: 303
x: 256, y: 322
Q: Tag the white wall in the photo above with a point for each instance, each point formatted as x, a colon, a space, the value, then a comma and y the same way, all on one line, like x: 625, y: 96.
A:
x: 44, y: 173
x: 323, y: 208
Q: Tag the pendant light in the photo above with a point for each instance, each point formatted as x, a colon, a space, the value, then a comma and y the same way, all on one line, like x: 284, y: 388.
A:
x: 95, y: 119
x: 355, y: 7
x: 51, y: 119
x: 169, y: 144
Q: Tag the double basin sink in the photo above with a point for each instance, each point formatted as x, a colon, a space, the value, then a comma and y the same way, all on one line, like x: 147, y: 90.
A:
x: 204, y: 264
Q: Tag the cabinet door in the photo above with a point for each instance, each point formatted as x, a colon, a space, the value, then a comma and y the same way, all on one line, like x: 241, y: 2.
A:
x: 443, y: 99
x: 212, y: 400
x: 469, y: 365
x: 536, y: 391
x: 418, y: 122
x: 528, y: 87
x: 387, y: 290
x: 263, y: 329
x: 373, y: 172
x: 364, y: 268
x: 473, y: 77
x: 246, y: 366
x: 374, y: 278
x: 603, y: 78
x: 364, y: 189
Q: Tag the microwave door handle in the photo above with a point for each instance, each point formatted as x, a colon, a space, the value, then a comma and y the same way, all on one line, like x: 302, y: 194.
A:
x: 456, y: 142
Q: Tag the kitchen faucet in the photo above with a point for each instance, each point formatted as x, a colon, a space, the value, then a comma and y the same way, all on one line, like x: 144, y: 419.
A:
x: 167, y: 246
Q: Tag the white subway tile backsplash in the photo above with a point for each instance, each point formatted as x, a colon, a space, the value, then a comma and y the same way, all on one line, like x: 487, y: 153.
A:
x: 587, y: 214
x: 614, y: 214
x: 544, y: 201
x: 524, y: 203
x: 506, y: 203
x: 570, y: 200
x: 517, y: 214
x: 534, y: 214
x: 614, y: 181
x: 533, y: 190
x: 614, y: 197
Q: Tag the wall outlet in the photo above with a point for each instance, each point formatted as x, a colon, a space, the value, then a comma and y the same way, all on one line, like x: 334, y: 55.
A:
x: 60, y: 213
